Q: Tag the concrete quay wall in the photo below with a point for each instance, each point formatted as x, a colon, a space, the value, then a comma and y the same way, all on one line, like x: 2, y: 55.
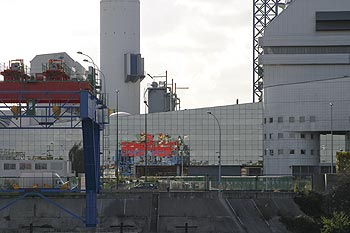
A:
x: 163, y: 212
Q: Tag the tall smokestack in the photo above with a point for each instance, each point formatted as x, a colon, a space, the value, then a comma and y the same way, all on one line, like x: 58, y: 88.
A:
x: 120, y: 56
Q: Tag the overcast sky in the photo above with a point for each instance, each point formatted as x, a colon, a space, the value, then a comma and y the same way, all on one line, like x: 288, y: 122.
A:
x: 205, y: 45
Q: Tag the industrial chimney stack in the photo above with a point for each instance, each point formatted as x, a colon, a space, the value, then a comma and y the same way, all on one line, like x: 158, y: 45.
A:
x: 120, y: 57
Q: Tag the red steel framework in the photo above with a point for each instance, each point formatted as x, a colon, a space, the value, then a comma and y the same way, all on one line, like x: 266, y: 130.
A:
x: 51, y: 86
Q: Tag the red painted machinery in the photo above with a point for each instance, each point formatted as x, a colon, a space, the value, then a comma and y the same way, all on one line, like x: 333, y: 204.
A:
x: 54, y: 85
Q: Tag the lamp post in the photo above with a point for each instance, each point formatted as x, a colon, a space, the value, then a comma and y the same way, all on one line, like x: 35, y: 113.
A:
x: 104, y: 101
x: 84, y: 54
x: 117, y: 146
x: 331, y: 105
x: 95, y: 67
x: 146, y: 162
x: 100, y: 71
x: 217, y: 121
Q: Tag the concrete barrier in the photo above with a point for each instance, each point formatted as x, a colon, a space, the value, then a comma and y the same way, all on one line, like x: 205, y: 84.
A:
x: 163, y: 212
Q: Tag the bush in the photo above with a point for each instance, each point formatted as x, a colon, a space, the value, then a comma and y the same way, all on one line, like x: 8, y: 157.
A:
x: 339, y: 197
x: 338, y: 223
x: 301, y: 224
x: 310, y: 203
x: 343, y: 162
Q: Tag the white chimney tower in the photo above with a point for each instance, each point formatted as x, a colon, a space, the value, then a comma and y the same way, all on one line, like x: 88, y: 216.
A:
x: 120, y: 57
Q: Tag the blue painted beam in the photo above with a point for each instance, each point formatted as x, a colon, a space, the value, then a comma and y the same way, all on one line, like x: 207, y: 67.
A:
x: 91, y: 209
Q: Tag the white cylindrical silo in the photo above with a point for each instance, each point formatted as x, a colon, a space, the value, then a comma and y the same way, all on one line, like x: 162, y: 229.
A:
x: 120, y: 35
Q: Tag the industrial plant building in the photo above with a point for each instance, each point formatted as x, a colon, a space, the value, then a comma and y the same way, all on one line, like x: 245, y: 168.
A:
x: 241, y: 133
x: 303, y: 120
x: 306, y: 84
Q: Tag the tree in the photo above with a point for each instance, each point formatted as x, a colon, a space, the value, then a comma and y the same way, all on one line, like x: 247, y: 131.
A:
x: 338, y: 223
x: 310, y: 203
x: 76, y: 156
x: 339, y: 198
x: 343, y: 162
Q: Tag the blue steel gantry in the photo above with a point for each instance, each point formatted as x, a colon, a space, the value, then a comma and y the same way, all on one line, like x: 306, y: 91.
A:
x: 46, y: 99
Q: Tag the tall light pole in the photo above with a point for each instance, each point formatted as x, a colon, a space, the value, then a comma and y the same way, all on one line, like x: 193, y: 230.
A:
x: 217, y: 121
x: 104, y: 100
x: 84, y: 54
x: 102, y: 82
x: 97, y: 68
x: 146, y: 162
x: 117, y: 146
x: 331, y: 104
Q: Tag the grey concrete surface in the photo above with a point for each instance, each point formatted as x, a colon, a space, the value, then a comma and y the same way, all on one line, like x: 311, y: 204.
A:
x: 142, y: 212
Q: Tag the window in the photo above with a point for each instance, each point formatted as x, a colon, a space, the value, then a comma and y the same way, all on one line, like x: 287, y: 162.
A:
x: 312, y: 118
x: 271, y: 120
x: 292, y: 152
x: 306, y: 49
x: 332, y: 20
x: 311, y: 136
x: 302, y: 135
x: 40, y: 166
x: 280, y: 135
x: 9, y: 166
x: 271, y: 152
x: 312, y: 152
x: 56, y: 166
x: 280, y: 151
x: 291, y: 119
x: 280, y: 119
x: 25, y: 166
x: 264, y: 120
x: 270, y: 135
x: 302, y: 151
x: 265, y: 136
x: 292, y: 135
x: 301, y: 119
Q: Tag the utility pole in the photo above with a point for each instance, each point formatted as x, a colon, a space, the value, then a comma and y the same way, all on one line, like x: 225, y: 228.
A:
x: 146, y: 159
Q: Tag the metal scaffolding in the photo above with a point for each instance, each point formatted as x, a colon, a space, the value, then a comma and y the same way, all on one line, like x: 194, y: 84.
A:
x: 264, y: 11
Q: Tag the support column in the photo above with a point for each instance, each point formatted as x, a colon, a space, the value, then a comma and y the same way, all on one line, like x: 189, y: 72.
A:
x: 91, y: 166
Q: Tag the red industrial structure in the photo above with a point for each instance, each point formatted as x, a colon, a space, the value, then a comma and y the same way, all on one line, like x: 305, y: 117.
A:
x: 52, y: 86
x: 57, y: 96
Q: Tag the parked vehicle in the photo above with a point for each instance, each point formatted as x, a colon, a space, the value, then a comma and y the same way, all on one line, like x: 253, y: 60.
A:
x: 146, y: 185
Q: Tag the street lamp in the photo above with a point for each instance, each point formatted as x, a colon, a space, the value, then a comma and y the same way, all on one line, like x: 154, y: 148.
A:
x: 100, y: 71
x: 146, y: 162
x: 104, y: 100
x: 331, y: 105
x: 217, y: 121
x: 95, y: 67
x: 84, y: 54
x: 117, y: 146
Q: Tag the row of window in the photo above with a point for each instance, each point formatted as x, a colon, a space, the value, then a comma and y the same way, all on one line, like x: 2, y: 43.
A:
x: 290, y: 119
x: 28, y: 166
x: 290, y: 135
x: 306, y: 49
x: 292, y: 152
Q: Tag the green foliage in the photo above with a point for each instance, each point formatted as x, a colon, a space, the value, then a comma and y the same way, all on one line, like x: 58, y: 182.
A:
x: 338, y: 223
x: 310, y: 203
x: 313, y: 204
x: 339, y: 197
x: 76, y: 155
x: 301, y: 224
x: 343, y: 162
